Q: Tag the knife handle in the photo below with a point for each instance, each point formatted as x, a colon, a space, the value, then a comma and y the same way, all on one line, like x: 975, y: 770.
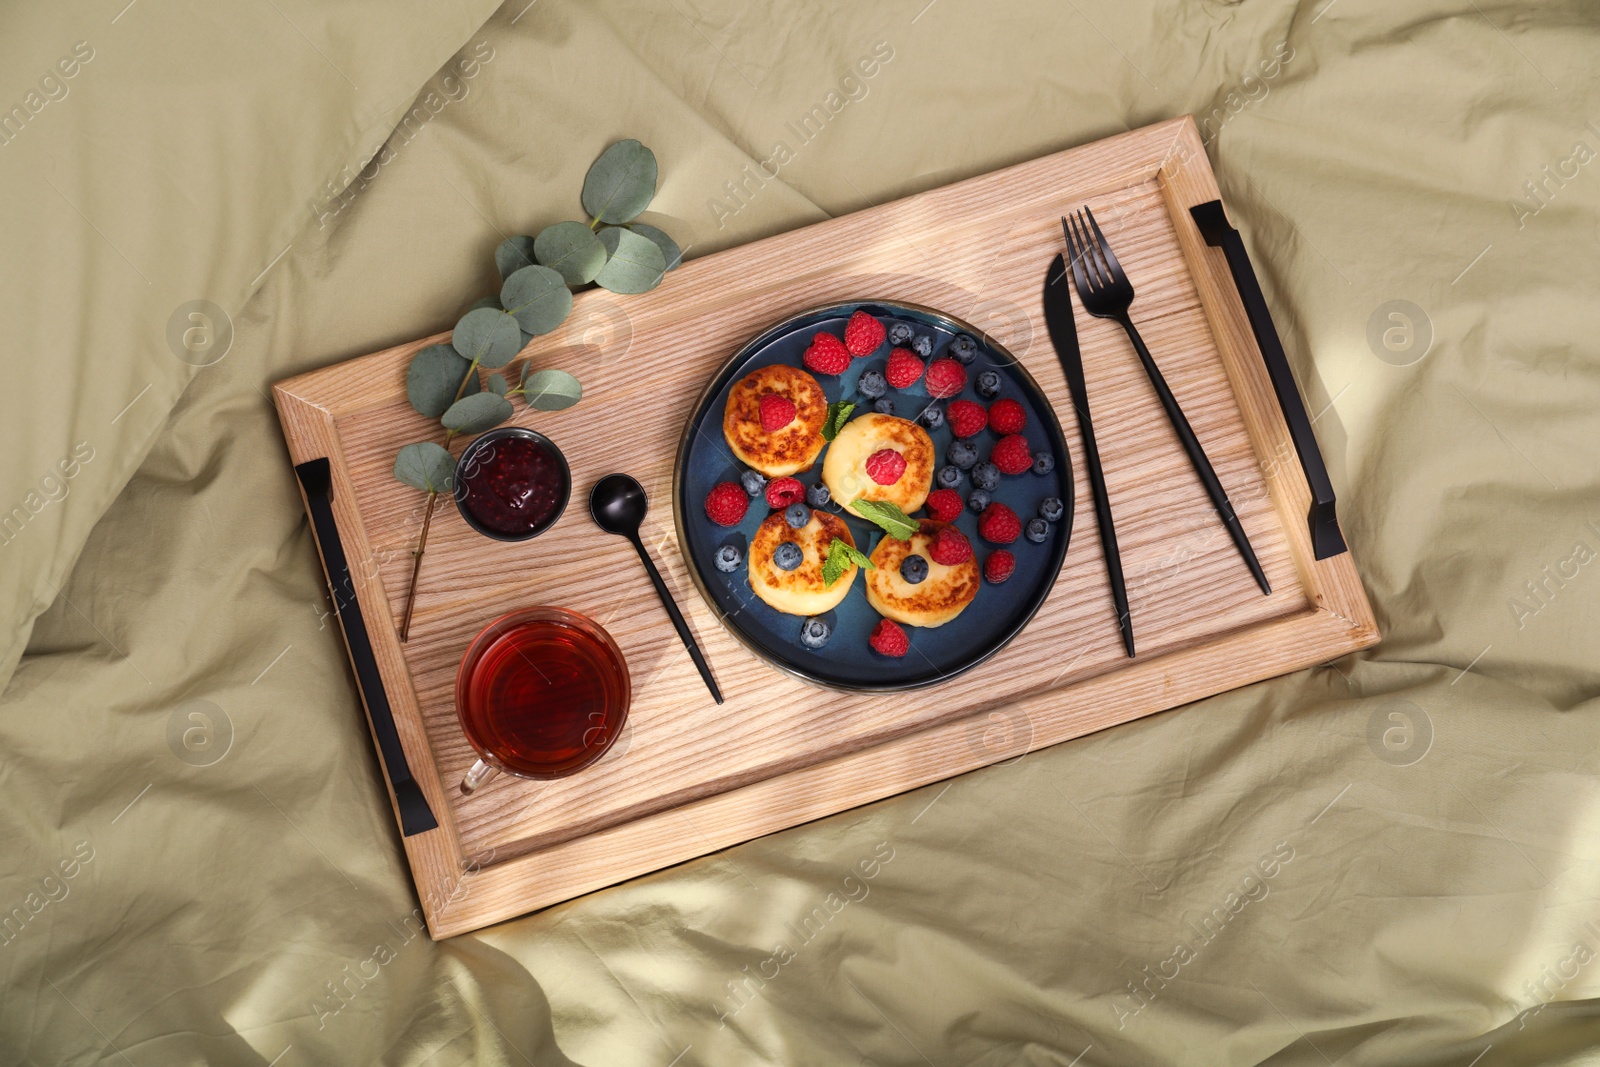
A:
x: 1326, y: 539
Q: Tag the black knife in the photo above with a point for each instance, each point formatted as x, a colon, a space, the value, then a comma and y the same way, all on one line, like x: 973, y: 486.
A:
x: 1064, y: 336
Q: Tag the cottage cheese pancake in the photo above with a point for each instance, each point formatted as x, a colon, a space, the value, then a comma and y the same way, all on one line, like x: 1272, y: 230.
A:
x: 799, y: 591
x: 784, y: 450
x: 851, y: 473
x: 934, y: 601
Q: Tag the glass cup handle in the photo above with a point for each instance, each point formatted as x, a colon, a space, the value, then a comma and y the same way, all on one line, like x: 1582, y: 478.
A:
x: 481, y: 772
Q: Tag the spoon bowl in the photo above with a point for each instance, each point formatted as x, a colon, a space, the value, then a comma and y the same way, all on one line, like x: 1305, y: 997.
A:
x: 618, y: 504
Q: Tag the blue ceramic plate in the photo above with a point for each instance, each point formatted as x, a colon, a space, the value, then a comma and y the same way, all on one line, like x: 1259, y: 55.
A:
x: 847, y: 662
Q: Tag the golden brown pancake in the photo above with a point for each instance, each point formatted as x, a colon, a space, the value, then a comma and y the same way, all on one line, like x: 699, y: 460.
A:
x: 845, y: 468
x: 789, y: 450
x: 800, y: 591
x: 936, y: 600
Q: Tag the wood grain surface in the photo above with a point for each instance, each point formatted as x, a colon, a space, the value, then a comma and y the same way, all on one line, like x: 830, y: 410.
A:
x: 689, y: 777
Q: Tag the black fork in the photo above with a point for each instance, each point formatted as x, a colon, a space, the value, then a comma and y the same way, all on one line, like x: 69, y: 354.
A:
x: 1106, y: 293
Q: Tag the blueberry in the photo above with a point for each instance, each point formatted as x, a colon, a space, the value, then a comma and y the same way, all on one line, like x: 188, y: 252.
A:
x: 900, y: 333
x: 988, y: 385
x: 788, y: 556
x: 818, y: 496
x: 949, y: 477
x: 872, y: 385
x: 1036, y: 531
x: 1051, y: 509
x: 914, y: 569
x: 754, y: 482
x: 1043, y: 463
x: 986, y: 476
x: 729, y: 558
x: 932, y: 416
x: 814, y: 633
x: 922, y: 345
x: 884, y: 406
x: 797, y: 515
x: 977, y: 500
x: 963, y: 349
x: 962, y: 453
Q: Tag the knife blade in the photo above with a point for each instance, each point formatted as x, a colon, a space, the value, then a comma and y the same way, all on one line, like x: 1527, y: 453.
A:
x: 1063, y: 329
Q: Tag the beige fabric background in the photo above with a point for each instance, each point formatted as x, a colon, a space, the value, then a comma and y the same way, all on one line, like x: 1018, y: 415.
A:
x: 1441, y: 912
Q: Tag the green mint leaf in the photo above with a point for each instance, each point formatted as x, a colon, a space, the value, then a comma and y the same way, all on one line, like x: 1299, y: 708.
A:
x: 841, y: 554
x: 832, y: 567
x: 895, y: 523
x: 838, y: 412
x: 855, y: 555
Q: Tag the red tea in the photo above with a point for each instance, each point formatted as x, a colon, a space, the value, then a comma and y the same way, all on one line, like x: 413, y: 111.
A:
x: 543, y: 698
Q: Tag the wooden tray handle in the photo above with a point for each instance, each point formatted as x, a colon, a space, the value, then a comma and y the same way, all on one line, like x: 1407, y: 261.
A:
x: 317, y: 482
x: 1326, y: 540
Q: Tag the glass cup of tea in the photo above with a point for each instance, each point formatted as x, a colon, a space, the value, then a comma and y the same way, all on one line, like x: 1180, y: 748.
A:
x: 542, y: 693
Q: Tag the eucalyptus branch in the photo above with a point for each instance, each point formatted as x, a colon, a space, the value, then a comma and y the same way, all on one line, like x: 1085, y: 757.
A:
x: 538, y: 276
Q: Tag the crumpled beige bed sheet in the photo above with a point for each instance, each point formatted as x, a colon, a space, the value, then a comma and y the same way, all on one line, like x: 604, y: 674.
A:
x: 1389, y: 860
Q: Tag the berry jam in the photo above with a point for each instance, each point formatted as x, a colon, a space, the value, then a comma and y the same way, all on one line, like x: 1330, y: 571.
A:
x: 515, y: 486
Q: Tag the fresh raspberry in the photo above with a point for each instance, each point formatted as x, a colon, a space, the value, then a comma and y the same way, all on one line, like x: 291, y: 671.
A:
x: 904, y: 368
x: 889, y: 640
x: 776, y: 412
x: 946, y: 377
x: 1007, y: 416
x: 885, y: 466
x: 781, y: 492
x: 999, y: 524
x: 726, y: 504
x: 827, y: 355
x: 1012, y: 454
x: 1000, y: 565
x: 943, y: 505
x: 863, y: 334
x: 966, y: 418
x: 950, y: 547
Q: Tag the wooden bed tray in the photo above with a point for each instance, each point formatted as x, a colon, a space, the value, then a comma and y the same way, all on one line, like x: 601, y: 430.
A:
x: 689, y: 777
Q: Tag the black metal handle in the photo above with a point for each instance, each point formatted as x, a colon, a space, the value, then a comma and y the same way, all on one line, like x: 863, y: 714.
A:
x: 316, y: 478
x: 1197, y: 456
x: 678, y: 622
x: 1326, y: 540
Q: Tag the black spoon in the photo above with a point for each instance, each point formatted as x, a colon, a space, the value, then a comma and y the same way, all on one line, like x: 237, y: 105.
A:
x: 619, y: 505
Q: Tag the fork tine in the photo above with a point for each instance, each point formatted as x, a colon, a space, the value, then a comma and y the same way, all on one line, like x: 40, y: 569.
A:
x: 1105, y: 246
x: 1107, y: 278
x: 1082, y: 265
x: 1092, y: 266
x: 1074, y: 258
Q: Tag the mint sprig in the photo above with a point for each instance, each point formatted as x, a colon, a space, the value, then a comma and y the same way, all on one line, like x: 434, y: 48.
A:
x: 841, y: 554
x: 895, y: 523
x: 838, y: 412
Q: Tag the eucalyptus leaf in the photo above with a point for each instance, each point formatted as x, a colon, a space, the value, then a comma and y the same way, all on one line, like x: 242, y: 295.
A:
x: 551, y: 390
x: 486, y: 302
x: 571, y: 249
x: 634, y: 264
x: 425, y: 465
x: 513, y: 254
x: 620, y: 183
x: 491, y: 337
x: 475, y: 414
x: 669, y: 248
x: 434, y: 377
x: 498, y: 385
x: 538, y: 298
